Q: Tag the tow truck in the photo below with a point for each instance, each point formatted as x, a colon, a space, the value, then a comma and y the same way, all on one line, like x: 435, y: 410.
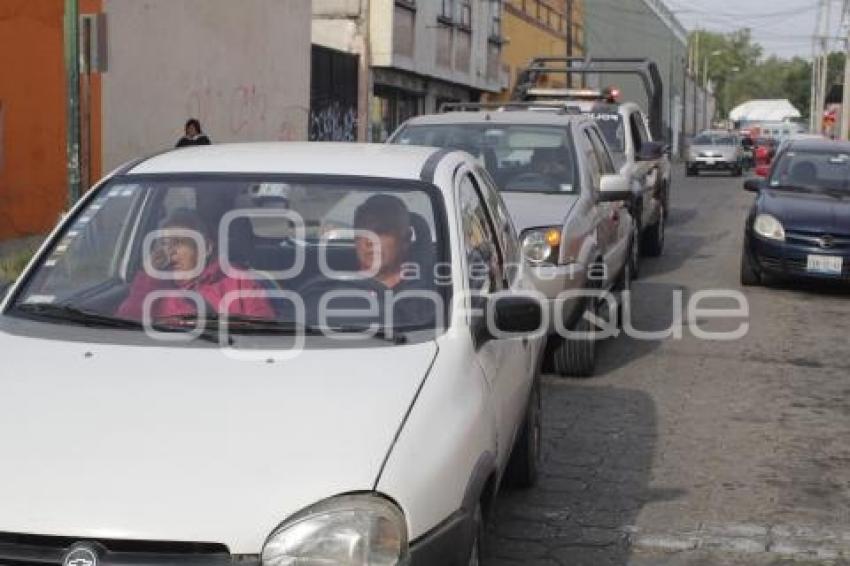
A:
x: 635, y: 138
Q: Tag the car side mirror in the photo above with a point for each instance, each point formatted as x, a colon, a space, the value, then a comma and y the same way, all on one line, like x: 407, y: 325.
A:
x: 506, y: 315
x: 614, y: 188
x: 650, y: 151
x: 762, y: 171
x: 754, y: 185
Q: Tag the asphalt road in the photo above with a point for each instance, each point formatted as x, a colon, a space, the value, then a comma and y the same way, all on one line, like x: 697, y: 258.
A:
x: 693, y: 451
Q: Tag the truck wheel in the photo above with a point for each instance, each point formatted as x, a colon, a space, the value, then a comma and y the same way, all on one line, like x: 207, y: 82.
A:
x: 750, y: 276
x: 576, y: 357
x: 476, y: 551
x: 653, y: 238
x: 524, y: 465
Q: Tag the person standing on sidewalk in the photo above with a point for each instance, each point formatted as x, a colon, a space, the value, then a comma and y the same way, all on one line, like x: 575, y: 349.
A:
x: 193, y: 135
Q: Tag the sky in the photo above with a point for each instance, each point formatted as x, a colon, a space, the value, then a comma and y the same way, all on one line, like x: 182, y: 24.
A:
x: 783, y: 27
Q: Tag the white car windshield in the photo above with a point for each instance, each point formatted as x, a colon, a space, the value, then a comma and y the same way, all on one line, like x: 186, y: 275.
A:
x: 268, y: 251
x: 520, y: 158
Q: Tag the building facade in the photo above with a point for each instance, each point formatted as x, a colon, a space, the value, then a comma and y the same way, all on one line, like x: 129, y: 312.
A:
x: 146, y: 66
x: 535, y: 28
x: 644, y: 28
x: 412, y: 56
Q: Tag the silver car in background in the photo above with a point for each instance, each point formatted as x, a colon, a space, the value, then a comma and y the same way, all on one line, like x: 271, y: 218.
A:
x: 716, y: 150
x: 566, y: 198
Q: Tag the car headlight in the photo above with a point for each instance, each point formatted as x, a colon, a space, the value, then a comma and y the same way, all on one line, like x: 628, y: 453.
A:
x: 350, y: 530
x: 769, y: 227
x: 541, y: 245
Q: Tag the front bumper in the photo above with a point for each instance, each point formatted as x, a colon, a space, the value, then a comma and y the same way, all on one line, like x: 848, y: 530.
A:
x: 790, y: 259
x: 449, y: 543
x: 712, y: 163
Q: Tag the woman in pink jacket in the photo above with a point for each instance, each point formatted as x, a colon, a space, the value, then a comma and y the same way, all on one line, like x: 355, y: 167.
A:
x: 179, y: 253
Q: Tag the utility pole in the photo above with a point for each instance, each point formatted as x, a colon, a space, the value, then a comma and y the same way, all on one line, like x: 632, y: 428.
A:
x: 820, y: 66
x: 570, y: 38
x: 845, y: 101
x: 72, y: 80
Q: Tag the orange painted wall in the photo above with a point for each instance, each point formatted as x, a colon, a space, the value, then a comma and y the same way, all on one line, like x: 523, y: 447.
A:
x: 33, y: 184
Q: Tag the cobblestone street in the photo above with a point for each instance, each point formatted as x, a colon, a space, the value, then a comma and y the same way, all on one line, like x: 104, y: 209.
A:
x: 691, y: 451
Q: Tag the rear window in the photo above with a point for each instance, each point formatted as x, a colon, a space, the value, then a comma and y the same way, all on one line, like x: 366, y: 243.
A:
x: 611, y: 125
x: 520, y: 158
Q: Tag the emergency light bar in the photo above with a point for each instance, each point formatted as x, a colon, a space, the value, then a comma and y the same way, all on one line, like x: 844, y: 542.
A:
x: 610, y: 94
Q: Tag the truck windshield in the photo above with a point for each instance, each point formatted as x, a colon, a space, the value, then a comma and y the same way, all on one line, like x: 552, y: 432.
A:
x: 520, y: 158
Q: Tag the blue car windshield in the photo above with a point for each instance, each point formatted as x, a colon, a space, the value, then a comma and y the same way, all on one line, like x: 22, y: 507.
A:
x: 813, y: 170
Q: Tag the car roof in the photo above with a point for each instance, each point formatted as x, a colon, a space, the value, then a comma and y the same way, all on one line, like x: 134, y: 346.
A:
x: 524, y: 117
x: 303, y: 158
x: 822, y: 144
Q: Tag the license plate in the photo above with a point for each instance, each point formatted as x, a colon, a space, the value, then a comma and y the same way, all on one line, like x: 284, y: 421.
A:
x: 825, y: 264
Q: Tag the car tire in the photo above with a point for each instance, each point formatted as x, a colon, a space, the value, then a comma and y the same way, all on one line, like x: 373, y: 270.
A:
x: 738, y: 171
x: 692, y: 172
x: 479, y: 533
x: 750, y: 276
x: 575, y: 357
x: 634, y: 255
x: 524, y: 465
x: 652, y: 243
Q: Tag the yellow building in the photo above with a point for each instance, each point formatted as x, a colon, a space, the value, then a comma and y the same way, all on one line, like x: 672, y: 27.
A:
x: 534, y: 28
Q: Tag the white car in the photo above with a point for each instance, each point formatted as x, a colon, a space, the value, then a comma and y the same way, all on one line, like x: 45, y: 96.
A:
x: 199, y: 367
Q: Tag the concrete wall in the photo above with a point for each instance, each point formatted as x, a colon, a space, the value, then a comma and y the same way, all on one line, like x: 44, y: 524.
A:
x: 641, y: 28
x: 242, y: 68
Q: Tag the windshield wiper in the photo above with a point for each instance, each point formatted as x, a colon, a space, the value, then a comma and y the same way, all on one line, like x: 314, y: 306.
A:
x: 381, y: 332
x: 74, y: 315
x: 250, y: 324
x: 255, y: 325
x: 68, y: 313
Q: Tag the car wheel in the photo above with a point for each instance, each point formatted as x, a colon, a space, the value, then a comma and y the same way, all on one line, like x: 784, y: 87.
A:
x: 476, y: 552
x: 738, y: 171
x: 750, y: 276
x: 524, y: 465
x: 634, y: 256
x: 653, y: 238
x: 576, y: 357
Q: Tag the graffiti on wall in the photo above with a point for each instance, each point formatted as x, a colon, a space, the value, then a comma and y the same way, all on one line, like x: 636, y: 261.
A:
x: 333, y: 123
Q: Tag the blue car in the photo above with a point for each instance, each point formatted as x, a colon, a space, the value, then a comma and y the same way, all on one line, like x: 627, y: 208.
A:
x: 799, y: 225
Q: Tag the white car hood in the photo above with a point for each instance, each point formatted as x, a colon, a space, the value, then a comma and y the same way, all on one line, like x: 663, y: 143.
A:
x: 186, y: 444
x: 536, y: 210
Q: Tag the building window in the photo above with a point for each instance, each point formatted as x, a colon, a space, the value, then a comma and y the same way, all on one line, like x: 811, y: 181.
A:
x: 466, y: 14
x: 447, y: 11
x: 390, y: 108
x: 496, y: 20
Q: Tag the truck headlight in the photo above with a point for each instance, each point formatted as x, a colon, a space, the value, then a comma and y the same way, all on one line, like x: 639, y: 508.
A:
x: 350, y: 530
x: 541, y: 245
x: 769, y: 227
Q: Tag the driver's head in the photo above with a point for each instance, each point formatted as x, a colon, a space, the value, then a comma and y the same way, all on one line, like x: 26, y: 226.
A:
x: 387, y: 219
x: 549, y: 161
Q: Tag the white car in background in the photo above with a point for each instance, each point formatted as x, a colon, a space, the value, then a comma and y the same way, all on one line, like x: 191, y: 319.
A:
x: 379, y: 438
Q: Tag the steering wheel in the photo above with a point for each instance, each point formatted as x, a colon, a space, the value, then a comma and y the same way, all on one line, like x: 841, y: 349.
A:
x: 314, y: 289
